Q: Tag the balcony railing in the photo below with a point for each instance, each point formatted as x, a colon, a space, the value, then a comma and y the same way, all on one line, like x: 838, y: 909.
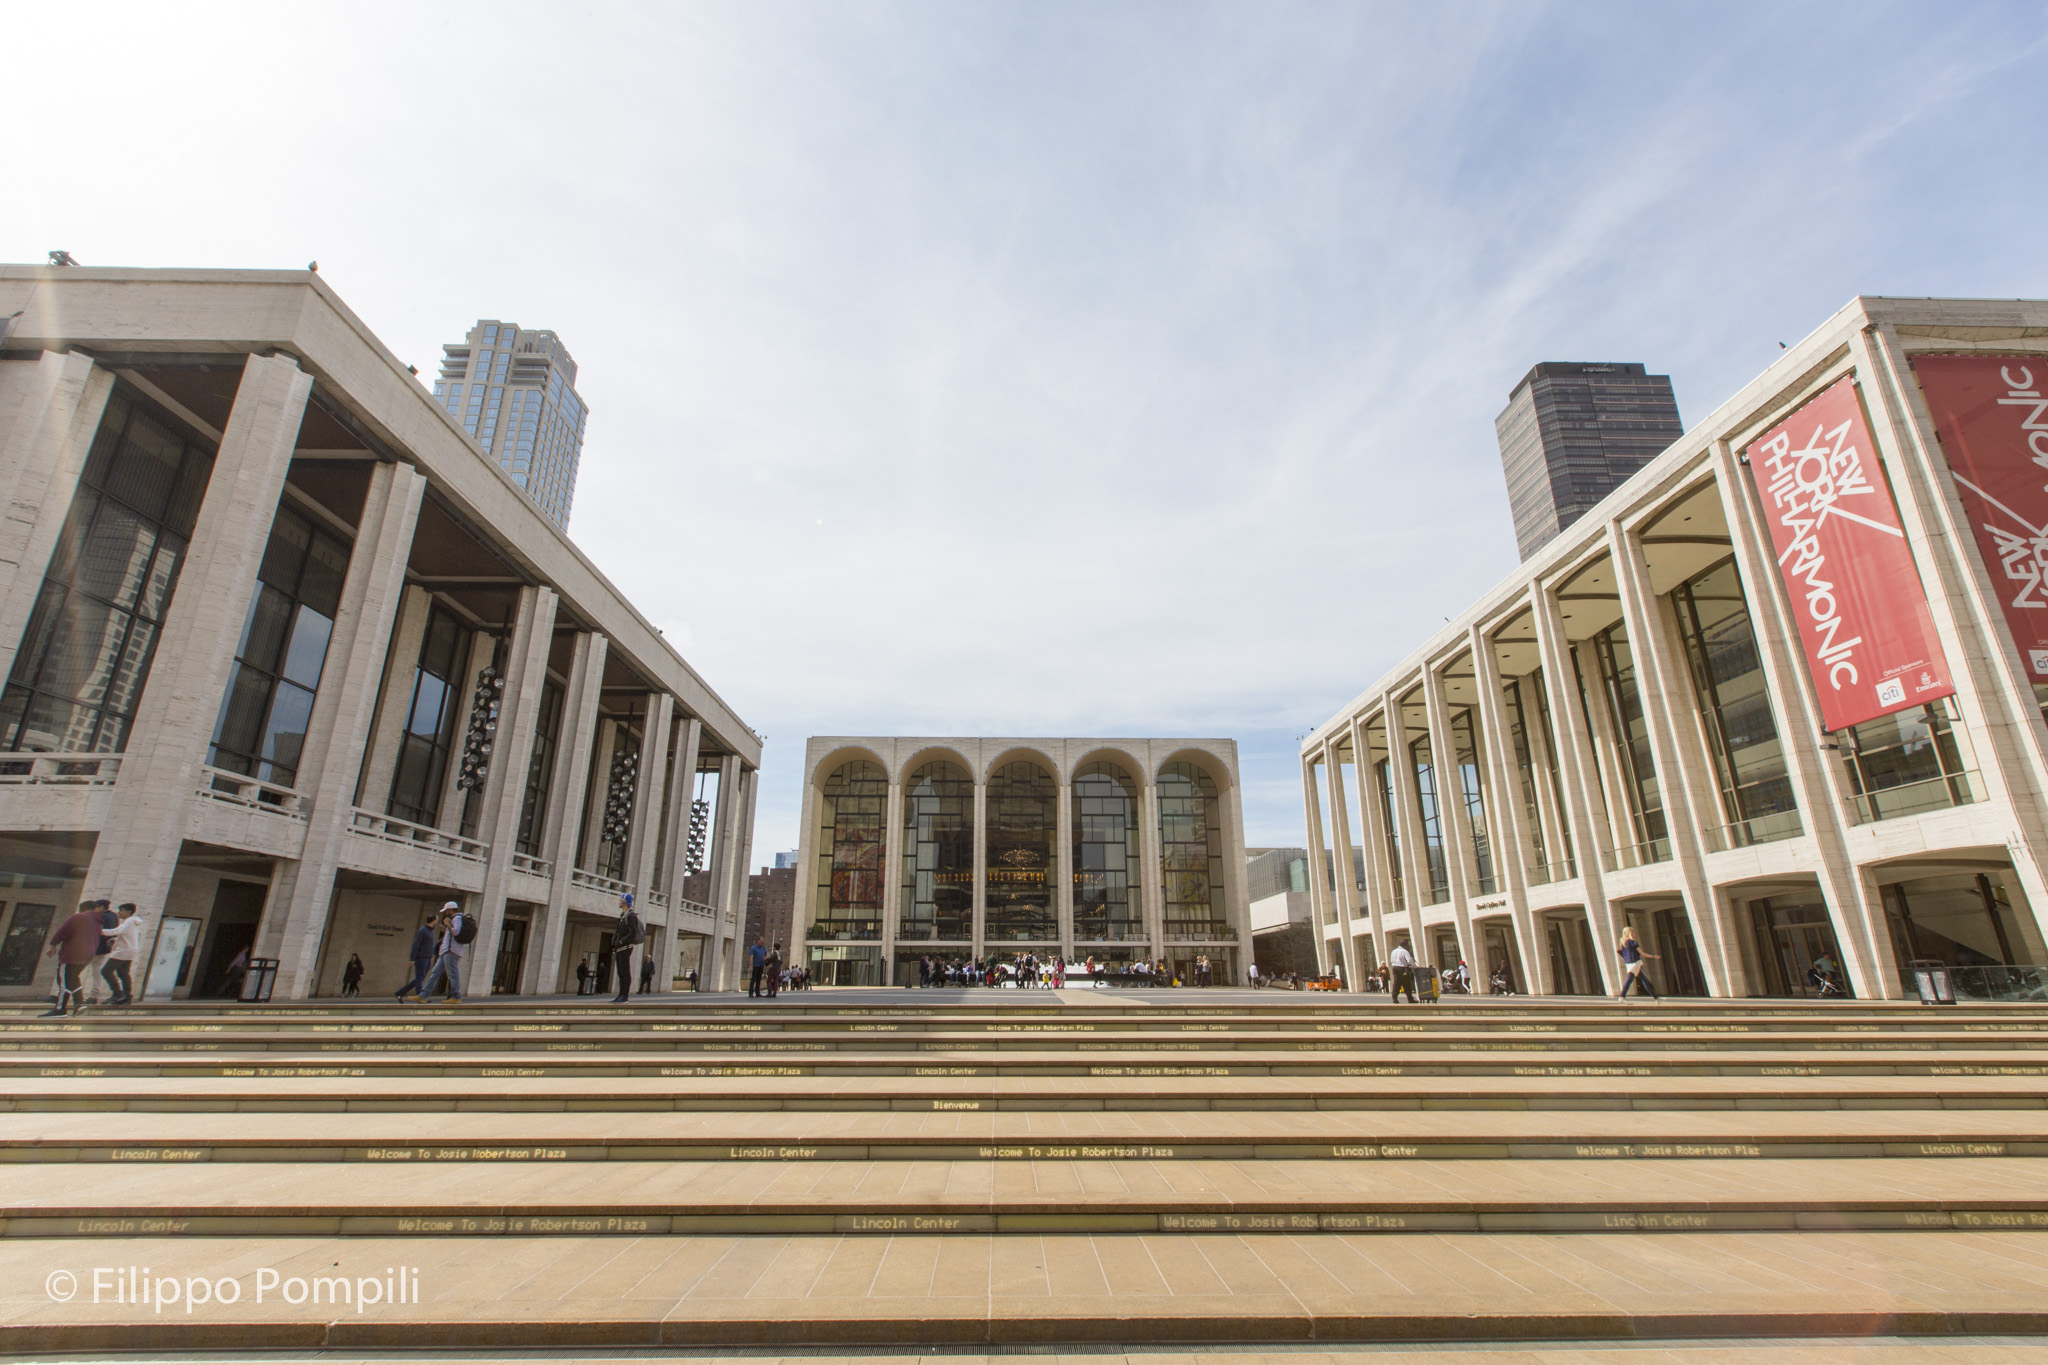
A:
x: 60, y: 770
x: 1543, y: 874
x: 1916, y: 798
x: 1636, y: 855
x: 658, y: 899
x: 2023, y: 981
x: 1199, y: 931
x: 597, y: 881
x: 695, y: 907
x: 392, y: 830
x: 218, y: 784
x: 532, y: 866
x: 1764, y: 829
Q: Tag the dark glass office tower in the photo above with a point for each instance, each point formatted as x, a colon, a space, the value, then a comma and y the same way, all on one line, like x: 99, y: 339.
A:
x: 1571, y: 433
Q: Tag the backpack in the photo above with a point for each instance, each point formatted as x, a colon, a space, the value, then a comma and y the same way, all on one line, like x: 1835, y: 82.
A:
x: 628, y: 933
x: 465, y: 932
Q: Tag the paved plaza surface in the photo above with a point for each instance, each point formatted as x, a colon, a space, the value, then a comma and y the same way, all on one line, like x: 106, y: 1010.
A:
x: 1120, y: 1174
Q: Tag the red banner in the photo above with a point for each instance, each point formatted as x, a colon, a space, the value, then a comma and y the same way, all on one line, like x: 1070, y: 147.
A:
x: 1862, y: 613
x: 1993, y: 422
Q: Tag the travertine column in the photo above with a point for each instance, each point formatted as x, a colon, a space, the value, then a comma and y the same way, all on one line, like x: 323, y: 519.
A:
x: 1510, y: 816
x: 1408, y: 813
x: 1153, y: 856
x: 138, y: 852
x: 1345, y: 901
x: 892, y: 883
x: 295, y: 912
x: 1451, y: 813
x: 526, y: 669
x: 682, y: 786
x: 1581, y: 785
x: 605, y: 747
x: 724, y: 835
x: 1663, y: 687
x: 1061, y: 870
x: 40, y: 463
x: 743, y: 859
x: 1372, y: 822
x: 1319, y: 895
x: 980, y: 861
x: 651, y: 788
x: 564, y: 823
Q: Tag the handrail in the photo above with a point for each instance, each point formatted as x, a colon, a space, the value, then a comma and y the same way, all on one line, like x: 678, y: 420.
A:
x: 597, y: 881
x: 68, y: 770
x: 392, y: 830
x: 1635, y: 855
x: 538, y: 867
x: 695, y: 907
x: 1761, y: 829
x: 1916, y: 798
x: 237, y: 789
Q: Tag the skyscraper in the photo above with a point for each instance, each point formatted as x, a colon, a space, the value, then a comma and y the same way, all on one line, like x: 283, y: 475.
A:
x: 1571, y: 432
x: 515, y: 392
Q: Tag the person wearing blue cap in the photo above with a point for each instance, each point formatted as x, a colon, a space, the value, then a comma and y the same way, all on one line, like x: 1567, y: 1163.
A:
x: 626, y: 935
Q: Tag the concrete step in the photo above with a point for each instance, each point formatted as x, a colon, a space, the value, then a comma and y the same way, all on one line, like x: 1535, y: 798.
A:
x: 1134, y: 1195
x: 1597, y: 1291
x: 1150, y: 1135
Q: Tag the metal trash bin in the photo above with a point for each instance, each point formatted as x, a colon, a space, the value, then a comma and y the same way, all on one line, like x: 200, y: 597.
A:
x: 1932, y: 981
x: 1426, y: 985
x: 260, y: 981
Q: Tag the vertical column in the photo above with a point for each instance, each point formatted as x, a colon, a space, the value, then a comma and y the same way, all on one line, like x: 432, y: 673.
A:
x: 1451, y: 813
x: 1408, y: 812
x: 1238, y: 885
x: 137, y: 854
x: 608, y: 738
x: 394, y: 700
x: 682, y: 789
x: 449, y: 810
x: 1663, y: 684
x: 295, y: 911
x: 1062, y: 868
x: 724, y: 831
x: 1345, y: 900
x: 1575, y: 747
x: 892, y: 881
x: 1154, y: 859
x: 526, y: 670
x: 564, y: 823
x: 641, y: 842
x: 743, y: 858
x: 1318, y: 858
x: 980, y: 859
x: 1504, y: 805
x: 45, y: 452
x: 1372, y: 824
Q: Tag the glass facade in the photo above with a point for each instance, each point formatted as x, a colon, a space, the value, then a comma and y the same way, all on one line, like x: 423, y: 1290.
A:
x: 1735, y: 705
x: 1548, y: 734
x: 1385, y: 769
x: 1191, y: 852
x: 1023, y: 828
x: 938, y: 854
x: 262, y: 723
x: 1423, y: 764
x: 85, y: 656
x: 1908, y: 762
x: 540, y: 772
x: 1632, y: 741
x: 1525, y: 771
x: 430, y: 720
x: 852, y: 807
x: 1108, y: 882
x: 1465, y: 737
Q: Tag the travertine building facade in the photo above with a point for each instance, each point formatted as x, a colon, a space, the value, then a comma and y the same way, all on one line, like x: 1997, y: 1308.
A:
x: 290, y: 662
x: 1116, y: 849
x: 1635, y: 727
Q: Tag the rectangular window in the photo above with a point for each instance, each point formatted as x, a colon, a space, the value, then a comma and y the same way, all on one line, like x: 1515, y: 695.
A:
x: 1909, y: 762
x: 1525, y: 769
x: 261, y: 727
x: 1548, y: 734
x: 1735, y: 705
x: 1432, y: 820
x: 1465, y: 738
x: 1632, y: 741
x: 85, y: 656
x: 430, y: 721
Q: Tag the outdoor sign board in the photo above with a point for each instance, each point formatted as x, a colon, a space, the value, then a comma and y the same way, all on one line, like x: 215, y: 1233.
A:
x: 1992, y: 418
x: 1862, y: 614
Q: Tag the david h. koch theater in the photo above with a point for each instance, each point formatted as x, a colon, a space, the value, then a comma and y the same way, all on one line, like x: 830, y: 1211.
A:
x: 290, y: 663
x: 1777, y: 704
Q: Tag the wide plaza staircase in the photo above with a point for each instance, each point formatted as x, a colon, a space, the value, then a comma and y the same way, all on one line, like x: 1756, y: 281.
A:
x: 1161, y: 1171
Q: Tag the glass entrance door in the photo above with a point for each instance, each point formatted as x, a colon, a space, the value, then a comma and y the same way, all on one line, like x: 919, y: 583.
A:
x: 1796, y: 943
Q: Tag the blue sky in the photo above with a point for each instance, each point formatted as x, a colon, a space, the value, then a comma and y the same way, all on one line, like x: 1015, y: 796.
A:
x: 1054, y: 368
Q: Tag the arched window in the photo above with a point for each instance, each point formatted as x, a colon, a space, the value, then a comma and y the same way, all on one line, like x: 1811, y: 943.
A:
x: 938, y: 855
x: 1107, y: 881
x: 1191, y: 849
x: 850, y: 833
x: 1023, y: 825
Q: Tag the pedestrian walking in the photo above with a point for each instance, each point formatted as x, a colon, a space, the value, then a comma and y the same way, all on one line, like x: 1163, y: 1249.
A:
x: 1632, y: 968
x: 1403, y: 963
x: 73, y: 945
x: 458, y: 931
x: 627, y: 934
x: 647, y: 973
x: 422, y: 955
x: 125, y: 942
x: 238, y: 972
x: 773, y: 971
x: 352, y: 975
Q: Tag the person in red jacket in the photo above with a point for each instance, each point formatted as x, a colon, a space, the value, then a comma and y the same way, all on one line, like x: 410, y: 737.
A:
x: 73, y: 945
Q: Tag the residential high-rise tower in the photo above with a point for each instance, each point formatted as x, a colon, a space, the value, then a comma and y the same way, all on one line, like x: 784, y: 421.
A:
x: 515, y: 392
x: 1571, y: 433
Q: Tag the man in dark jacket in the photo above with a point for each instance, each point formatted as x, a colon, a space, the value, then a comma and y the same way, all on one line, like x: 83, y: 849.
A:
x: 626, y: 935
x: 74, y: 945
x: 422, y: 957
